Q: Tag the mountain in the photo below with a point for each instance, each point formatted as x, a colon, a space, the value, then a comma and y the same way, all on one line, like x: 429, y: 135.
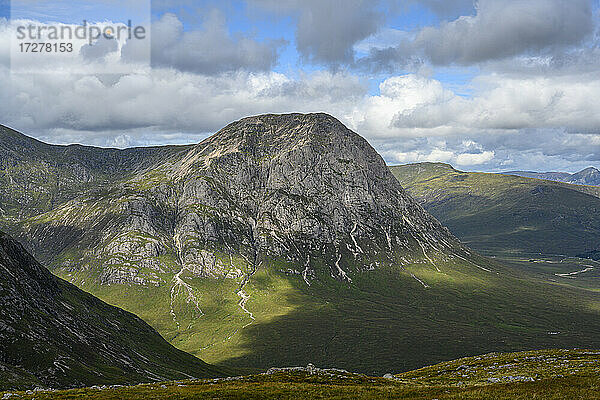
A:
x: 53, y: 334
x: 36, y: 177
x: 500, y: 214
x: 589, y: 176
x: 280, y: 240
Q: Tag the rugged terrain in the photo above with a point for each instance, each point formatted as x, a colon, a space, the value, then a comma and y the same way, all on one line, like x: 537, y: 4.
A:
x: 280, y: 240
x: 588, y: 176
x: 53, y: 334
x: 548, y: 374
x: 503, y: 215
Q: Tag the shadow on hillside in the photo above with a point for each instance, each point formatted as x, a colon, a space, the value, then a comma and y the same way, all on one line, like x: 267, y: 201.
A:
x: 391, y: 325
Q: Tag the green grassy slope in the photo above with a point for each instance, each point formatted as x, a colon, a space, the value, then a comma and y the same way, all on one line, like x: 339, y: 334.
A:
x: 567, y: 375
x: 524, y: 366
x: 54, y: 334
x: 504, y: 215
x: 35, y: 177
x: 385, y: 321
x: 415, y: 300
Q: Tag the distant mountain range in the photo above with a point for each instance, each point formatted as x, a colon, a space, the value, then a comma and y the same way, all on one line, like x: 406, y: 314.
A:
x: 507, y: 214
x: 280, y: 240
x: 589, y: 176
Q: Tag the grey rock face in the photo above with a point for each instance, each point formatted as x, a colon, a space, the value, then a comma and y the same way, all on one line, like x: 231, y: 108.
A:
x: 292, y: 190
x: 289, y: 186
x: 588, y: 176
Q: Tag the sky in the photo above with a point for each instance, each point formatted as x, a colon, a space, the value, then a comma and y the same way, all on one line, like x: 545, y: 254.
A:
x: 487, y: 85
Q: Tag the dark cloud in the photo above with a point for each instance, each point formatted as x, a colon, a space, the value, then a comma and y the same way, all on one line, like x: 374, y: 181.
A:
x: 209, y: 51
x: 447, y: 8
x: 499, y: 29
x: 327, y: 31
x: 580, y: 60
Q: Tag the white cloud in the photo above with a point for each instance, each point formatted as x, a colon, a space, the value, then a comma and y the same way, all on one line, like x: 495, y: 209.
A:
x: 509, y: 117
x: 441, y: 155
x: 211, y: 50
x: 435, y: 155
x: 413, y: 119
x: 507, y: 103
x: 500, y: 29
x: 468, y: 159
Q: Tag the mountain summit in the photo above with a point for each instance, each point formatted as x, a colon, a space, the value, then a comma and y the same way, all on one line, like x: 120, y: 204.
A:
x: 295, y: 190
x: 280, y: 240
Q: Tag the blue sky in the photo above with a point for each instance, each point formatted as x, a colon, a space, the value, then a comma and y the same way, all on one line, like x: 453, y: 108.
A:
x: 489, y: 85
x: 241, y: 20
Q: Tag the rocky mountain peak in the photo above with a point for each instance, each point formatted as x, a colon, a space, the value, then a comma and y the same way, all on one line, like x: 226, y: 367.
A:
x: 270, y: 136
x: 589, y: 176
x: 286, y: 189
x: 293, y: 186
x: 588, y: 170
x: 269, y: 206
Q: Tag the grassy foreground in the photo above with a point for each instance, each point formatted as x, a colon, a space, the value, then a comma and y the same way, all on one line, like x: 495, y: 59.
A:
x: 547, y: 374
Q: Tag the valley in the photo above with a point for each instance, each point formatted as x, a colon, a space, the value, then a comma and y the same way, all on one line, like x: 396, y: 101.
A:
x: 550, y: 229
x: 53, y: 334
x: 280, y: 240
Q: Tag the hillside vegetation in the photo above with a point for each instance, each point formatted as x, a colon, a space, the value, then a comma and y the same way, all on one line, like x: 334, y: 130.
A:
x: 503, y: 215
x: 53, y: 334
x: 280, y: 240
x: 541, y: 375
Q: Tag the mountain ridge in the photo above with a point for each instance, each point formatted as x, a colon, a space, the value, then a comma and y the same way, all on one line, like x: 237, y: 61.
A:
x: 283, y: 240
x: 55, y: 335
x: 546, y: 217
x: 589, y: 176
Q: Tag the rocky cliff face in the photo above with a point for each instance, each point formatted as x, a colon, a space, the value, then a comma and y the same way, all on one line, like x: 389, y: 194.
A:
x: 290, y: 188
x: 588, y: 176
x: 55, y: 335
x: 270, y: 214
x: 36, y: 177
x: 278, y: 189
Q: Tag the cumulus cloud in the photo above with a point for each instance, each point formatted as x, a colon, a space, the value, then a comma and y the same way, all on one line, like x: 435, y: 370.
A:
x: 327, y: 31
x: 468, y: 159
x: 167, y: 106
x: 508, y: 103
x: 90, y: 51
x: 499, y: 29
x: 210, y: 50
x: 99, y: 49
x: 510, y: 120
x: 441, y: 155
x: 165, y: 100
